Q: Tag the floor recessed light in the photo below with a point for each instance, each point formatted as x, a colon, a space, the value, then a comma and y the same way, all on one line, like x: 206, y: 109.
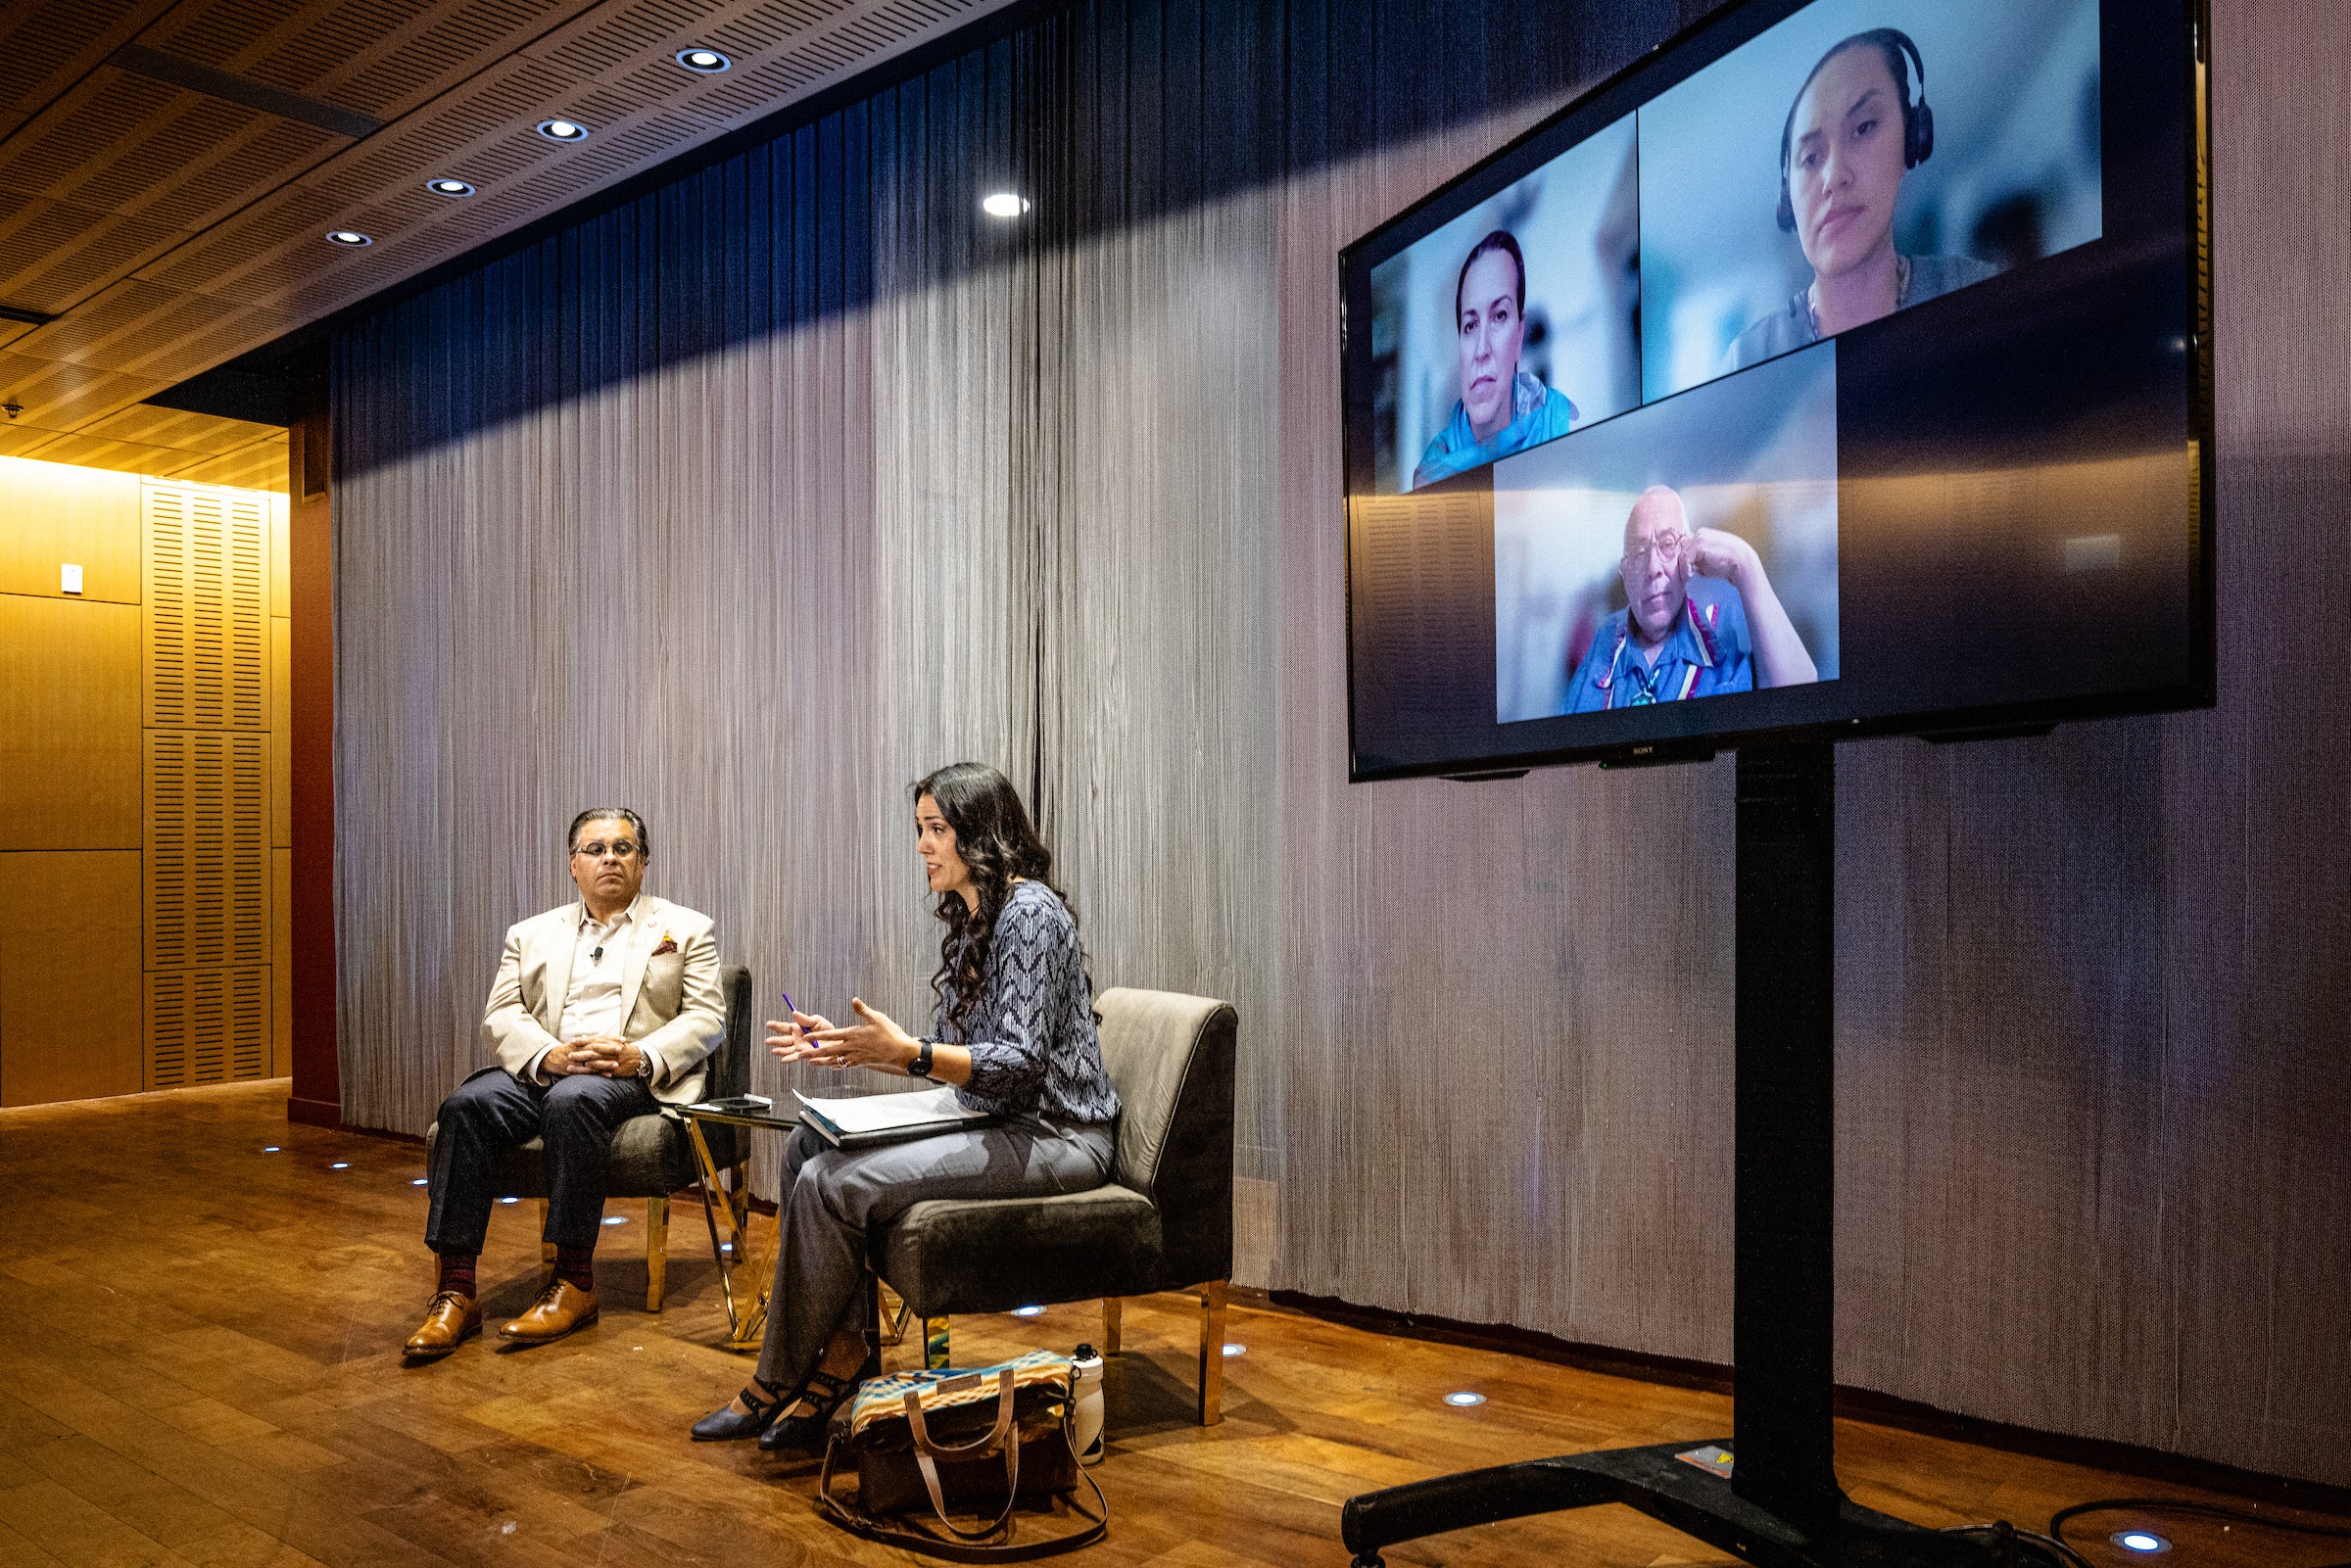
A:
x: 1464, y: 1398
x: 350, y: 238
x: 449, y: 187
x: 1236, y: 1350
x: 702, y: 61
x: 562, y: 130
x: 2144, y: 1542
x: 1004, y: 204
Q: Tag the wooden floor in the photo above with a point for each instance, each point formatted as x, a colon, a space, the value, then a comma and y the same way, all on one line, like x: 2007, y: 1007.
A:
x: 199, y: 1364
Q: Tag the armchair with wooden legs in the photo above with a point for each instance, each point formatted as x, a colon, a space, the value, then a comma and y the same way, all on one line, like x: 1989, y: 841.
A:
x: 1162, y: 1222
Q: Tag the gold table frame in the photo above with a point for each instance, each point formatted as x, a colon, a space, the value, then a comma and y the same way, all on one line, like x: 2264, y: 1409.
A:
x: 747, y: 1310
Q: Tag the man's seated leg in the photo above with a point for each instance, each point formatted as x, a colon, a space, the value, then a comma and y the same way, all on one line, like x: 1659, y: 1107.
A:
x: 488, y: 1114
x: 582, y: 1113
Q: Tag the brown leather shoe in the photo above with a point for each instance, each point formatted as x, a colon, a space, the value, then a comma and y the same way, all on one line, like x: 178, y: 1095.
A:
x: 448, y: 1322
x: 560, y: 1308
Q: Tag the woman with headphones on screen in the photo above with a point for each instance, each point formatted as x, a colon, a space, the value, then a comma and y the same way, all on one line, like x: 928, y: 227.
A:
x: 1014, y: 1035
x: 1851, y: 134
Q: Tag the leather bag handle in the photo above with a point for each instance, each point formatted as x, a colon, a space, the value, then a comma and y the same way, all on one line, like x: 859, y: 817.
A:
x: 927, y: 1453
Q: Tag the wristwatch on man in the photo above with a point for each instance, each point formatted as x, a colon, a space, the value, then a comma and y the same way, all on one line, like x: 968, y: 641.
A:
x: 920, y: 1066
x: 644, y: 1064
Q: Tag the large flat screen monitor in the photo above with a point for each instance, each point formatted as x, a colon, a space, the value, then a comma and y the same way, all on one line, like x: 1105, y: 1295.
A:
x: 1840, y: 370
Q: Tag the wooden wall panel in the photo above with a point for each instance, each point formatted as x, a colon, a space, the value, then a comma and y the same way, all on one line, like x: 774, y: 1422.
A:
x: 205, y: 614
x: 56, y: 513
x: 69, y: 994
x: 68, y: 723
x: 207, y: 850
x: 281, y: 963
x: 281, y: 732
x: 207, y: 1025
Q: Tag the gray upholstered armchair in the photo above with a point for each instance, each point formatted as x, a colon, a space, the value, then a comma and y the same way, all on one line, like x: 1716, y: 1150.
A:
x: 1162, y: 1221
x: 650, y: 1155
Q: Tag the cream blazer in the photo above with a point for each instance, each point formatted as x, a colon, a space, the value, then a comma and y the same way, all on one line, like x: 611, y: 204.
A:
x: 670, y: 998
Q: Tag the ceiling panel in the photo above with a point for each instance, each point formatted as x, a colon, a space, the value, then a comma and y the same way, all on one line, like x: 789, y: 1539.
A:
x: 201, y: 434
x: 173, y: 224
x: 258, y: 466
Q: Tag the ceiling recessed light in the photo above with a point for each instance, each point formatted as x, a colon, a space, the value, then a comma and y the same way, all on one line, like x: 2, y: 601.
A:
x: 421, y: 1181
x: 1028, y: 1312
x: 2144, y: 1542
x: 615, y: 1219
x: 449, y: 187
x: 1236, y: 1350
x: 349, y: 237
x: 562, y: 130
x: 1464, y: 1398
x: 269, y: 1148
x: 1004, y: 204
x: 703, y: 61
x: 509, y: 1199
x: 340, y: 1164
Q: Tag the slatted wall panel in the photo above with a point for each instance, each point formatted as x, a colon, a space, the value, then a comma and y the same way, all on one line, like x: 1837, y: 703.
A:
x: 208, y: 1026
x: 208, y: 848
x: 205, y: 696
x: 204, y: 610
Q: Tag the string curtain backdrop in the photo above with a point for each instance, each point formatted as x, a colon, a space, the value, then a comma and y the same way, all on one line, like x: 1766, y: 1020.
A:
x: 751, y: 500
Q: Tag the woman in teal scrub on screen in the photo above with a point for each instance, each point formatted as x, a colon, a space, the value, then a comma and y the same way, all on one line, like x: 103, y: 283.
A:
x: 1502, y: 409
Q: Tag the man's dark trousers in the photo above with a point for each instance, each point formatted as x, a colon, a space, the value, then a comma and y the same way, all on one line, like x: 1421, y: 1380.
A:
x: 494, y: 1110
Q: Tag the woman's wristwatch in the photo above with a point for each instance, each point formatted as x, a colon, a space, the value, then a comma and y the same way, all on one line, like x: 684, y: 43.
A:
x: 920, y: 1066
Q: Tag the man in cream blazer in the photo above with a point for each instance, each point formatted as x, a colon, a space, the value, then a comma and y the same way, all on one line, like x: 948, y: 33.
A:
x: 601, y: 1010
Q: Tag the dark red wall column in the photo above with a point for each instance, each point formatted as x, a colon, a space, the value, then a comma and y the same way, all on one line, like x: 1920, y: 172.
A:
x: 318, y: 1093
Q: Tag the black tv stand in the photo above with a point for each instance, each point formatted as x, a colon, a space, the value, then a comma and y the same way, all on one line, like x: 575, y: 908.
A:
x: 1781, y: 1505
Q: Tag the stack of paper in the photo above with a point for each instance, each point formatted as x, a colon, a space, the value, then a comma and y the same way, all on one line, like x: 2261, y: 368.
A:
x: 861, y: 1123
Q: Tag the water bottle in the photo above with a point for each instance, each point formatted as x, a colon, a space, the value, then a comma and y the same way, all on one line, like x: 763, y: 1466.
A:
x: 1085, y: 1400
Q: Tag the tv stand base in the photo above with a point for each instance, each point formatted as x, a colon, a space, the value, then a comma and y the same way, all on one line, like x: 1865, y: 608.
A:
x: 1667, y: 1488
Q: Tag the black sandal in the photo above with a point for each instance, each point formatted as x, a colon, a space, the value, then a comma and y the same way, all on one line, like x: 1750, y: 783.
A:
x: 727, y: 1424
x: 825, y: 1393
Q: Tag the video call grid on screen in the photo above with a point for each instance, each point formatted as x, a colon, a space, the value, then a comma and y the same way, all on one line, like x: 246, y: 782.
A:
x: 1560, y: 333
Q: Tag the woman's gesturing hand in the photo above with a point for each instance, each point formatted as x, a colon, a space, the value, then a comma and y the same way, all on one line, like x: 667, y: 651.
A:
x: 790, y: 1042
x: 872, y: 1042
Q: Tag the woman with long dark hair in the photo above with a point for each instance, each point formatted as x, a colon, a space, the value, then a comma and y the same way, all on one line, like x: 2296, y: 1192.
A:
x: 1014, y: 1034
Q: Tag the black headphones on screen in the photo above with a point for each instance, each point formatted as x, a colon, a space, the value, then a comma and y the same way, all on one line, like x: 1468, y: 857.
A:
x: 1918, y: 120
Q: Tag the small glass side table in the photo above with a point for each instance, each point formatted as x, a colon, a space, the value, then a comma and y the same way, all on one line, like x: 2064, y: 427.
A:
x: 746, y: 1309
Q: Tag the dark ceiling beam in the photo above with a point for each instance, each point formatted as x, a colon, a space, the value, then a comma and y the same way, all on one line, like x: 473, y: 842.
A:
x: 226, y: 86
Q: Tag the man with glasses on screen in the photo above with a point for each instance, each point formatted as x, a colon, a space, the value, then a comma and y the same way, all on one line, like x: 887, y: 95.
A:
x: 1701, y: 617
x: 602, y: 1011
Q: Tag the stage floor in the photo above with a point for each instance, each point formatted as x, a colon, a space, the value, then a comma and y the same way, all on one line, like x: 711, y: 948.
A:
x: 200, y: 1364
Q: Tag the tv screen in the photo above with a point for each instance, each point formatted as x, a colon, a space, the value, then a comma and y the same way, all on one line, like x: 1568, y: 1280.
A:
x: 1839, y: 369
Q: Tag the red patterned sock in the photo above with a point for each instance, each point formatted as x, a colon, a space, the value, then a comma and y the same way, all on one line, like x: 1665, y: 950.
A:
x: 456, y: 1273
x: 576, y: 1265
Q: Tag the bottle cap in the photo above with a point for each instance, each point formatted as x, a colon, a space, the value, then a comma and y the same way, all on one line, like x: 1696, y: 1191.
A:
x: 1084, y: 1353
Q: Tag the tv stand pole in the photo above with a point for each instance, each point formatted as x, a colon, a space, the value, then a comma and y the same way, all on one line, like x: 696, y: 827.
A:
x: 1780, y: 1505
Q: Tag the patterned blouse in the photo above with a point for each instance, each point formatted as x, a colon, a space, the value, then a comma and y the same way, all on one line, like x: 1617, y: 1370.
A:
x: 1033, y: 1048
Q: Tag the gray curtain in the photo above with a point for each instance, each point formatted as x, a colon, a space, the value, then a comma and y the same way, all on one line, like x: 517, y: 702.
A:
x: 752, y: 500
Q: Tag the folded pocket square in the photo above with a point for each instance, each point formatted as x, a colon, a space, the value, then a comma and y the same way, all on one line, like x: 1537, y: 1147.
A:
x: 668, y: 945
